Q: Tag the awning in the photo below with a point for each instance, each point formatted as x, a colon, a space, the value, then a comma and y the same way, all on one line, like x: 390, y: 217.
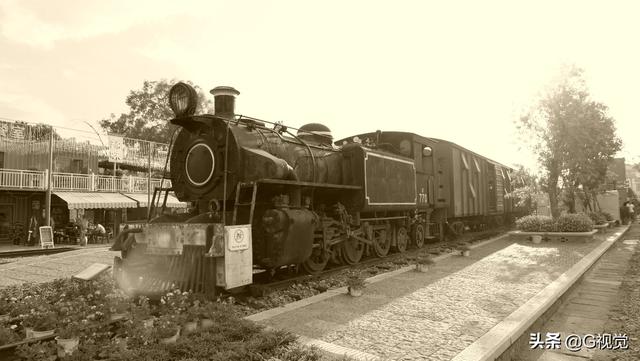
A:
x: 77, y: 200
x: 143, y: 201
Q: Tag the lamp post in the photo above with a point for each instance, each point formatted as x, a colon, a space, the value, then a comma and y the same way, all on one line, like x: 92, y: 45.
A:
x: 49, y: 178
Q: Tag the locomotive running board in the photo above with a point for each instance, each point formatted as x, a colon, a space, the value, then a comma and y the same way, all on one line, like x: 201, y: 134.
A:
x: 307, y: 184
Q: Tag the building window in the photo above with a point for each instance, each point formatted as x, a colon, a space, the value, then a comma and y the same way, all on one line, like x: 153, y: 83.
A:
x: 76, y: 166
x: 1, y: 159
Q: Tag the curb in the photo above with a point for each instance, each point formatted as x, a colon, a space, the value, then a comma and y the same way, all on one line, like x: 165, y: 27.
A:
x: 497, y: 340
x: 265, y: 315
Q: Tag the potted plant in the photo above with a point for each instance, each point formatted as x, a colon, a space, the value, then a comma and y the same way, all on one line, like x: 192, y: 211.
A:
x: 465, y: 250
x: 5, y: 310
x: 69, y: 335
x: 8, y: 335
x: 423, y: 263
x: 40, y: 324
x: 536, y: 239
x: 118, y: 308
x: 166, y: 329
x: 355, y: 285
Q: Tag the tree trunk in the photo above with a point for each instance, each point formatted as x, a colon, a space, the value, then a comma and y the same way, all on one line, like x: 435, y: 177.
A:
x: 553, y: 194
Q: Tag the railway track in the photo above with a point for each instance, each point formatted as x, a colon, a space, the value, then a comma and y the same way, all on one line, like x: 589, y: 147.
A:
x: 34, y: 252
x: 264, y: 286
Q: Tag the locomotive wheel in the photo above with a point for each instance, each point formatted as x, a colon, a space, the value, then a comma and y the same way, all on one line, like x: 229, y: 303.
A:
x: 381, y: 242
x: 418, y: 236
x: 316, y: 262
x: 351, y: 251
x: 402, y: 239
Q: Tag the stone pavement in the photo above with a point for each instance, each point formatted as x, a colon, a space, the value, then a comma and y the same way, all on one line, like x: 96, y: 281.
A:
x: 434, y: 315
x: 588, y: 305
x: 49, y: 267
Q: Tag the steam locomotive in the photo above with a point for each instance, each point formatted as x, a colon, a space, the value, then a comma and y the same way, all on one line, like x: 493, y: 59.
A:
x: 265, y: 196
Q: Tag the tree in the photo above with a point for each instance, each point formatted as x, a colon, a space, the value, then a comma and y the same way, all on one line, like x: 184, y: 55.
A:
x: 149, y: 113
x: 572, y: 136
x: 525, y: 188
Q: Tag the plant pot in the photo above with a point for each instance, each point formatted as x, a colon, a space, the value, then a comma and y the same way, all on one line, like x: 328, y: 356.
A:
x: 465, y: 253
x: 148, y: 323
x: 121, y: 343
x: 422, y: 268
x: 190, y: 327
x: 355, y: 292
x: 46, y: 333
x: 172, y: 339
x: 28, y: 332
x: 206, y: 323
x: 68, y: 345
x: 117, y: 316
x: 536, y: 239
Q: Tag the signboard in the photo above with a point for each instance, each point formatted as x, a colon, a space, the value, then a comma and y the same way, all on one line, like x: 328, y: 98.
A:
x: 237, y: 268
x: 116, y: 148
x: 239, y: 238
x: 46, y: 237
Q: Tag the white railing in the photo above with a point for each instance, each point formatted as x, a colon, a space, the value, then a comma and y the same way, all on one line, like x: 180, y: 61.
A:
x: 22, y: 179
x: 37, y: 180
x: 71, y: 182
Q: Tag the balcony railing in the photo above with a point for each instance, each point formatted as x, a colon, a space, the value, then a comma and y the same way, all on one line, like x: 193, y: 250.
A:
x: 37, y: 180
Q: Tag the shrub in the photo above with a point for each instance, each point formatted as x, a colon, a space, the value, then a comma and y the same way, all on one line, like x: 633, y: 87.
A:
x: 428, y: 260
x: 535, y: 223
x: 597, y: 217
x: 607, y: 216
x: 574, y: 223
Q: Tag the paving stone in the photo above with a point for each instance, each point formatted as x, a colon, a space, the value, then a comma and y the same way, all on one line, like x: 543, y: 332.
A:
x: 436, y: 315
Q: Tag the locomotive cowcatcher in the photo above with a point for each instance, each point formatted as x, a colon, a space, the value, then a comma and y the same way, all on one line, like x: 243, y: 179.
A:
x: 265, y: 196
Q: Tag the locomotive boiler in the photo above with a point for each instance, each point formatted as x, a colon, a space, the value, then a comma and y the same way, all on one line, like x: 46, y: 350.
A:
x: 266, y: 196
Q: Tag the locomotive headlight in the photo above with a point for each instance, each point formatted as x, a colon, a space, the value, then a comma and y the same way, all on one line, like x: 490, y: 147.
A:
x: 183, y: 100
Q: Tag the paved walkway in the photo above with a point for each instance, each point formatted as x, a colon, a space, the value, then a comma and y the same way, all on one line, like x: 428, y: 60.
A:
x: 435, y: 315
x: 50, y: 267
x: 589, y: 304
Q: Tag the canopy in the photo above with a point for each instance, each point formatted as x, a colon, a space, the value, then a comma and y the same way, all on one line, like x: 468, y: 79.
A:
x: 143, y: 201
x: 78, y: 200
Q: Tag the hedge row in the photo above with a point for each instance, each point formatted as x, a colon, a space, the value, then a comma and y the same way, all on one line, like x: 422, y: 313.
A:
x: 565, y: 223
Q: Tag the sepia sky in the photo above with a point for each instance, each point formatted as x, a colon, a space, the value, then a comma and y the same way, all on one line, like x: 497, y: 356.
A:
x: 456, y: 70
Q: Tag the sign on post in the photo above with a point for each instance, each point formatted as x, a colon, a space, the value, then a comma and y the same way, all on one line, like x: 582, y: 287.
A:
x: 46, y: 237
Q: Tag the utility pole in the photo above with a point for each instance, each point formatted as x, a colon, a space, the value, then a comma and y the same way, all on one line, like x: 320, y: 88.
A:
x: 49, y: 178
x: 149, y: 181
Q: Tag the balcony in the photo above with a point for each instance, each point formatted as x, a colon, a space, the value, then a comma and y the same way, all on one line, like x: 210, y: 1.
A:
x: 37, y: 180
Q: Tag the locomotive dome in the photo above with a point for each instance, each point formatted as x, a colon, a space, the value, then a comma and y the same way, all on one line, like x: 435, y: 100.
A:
x: 315, y: 132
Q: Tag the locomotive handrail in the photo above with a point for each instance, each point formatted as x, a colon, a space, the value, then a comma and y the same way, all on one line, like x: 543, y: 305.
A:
x: 308, y: 184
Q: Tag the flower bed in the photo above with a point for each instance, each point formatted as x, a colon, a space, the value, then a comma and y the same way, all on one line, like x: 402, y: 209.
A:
x: 107, y: 324
x: 567, y: 226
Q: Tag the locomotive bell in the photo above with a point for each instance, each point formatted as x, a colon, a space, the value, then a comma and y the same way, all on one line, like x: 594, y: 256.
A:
x: 225, y: 98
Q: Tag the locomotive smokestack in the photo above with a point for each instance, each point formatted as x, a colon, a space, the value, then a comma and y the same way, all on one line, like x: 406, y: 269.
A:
x: 225, y: 99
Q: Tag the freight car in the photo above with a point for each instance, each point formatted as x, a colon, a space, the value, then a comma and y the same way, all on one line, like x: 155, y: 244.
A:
x: 266, y: 196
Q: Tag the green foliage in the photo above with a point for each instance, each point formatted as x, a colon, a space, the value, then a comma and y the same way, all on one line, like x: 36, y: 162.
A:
x: 533, y: 223
x: 574, y: 223
x: 598, y: 217
x: 428, y: 260
x: 565, y: 223
x: 571, y: 134
x: 608, y: 216
x: 8, y: 335
x: 149, y: 112
x: 356, y: 281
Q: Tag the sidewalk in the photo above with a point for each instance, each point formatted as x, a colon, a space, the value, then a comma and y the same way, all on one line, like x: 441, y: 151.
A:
x: 587, y: 310
x: 49, y: 267
x: 435, y: 315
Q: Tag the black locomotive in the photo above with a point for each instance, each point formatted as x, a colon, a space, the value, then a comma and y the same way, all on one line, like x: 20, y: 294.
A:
x: 295, y: 197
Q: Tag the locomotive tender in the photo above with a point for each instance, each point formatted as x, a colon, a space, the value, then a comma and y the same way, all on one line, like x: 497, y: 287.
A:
x: 266, y: 197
